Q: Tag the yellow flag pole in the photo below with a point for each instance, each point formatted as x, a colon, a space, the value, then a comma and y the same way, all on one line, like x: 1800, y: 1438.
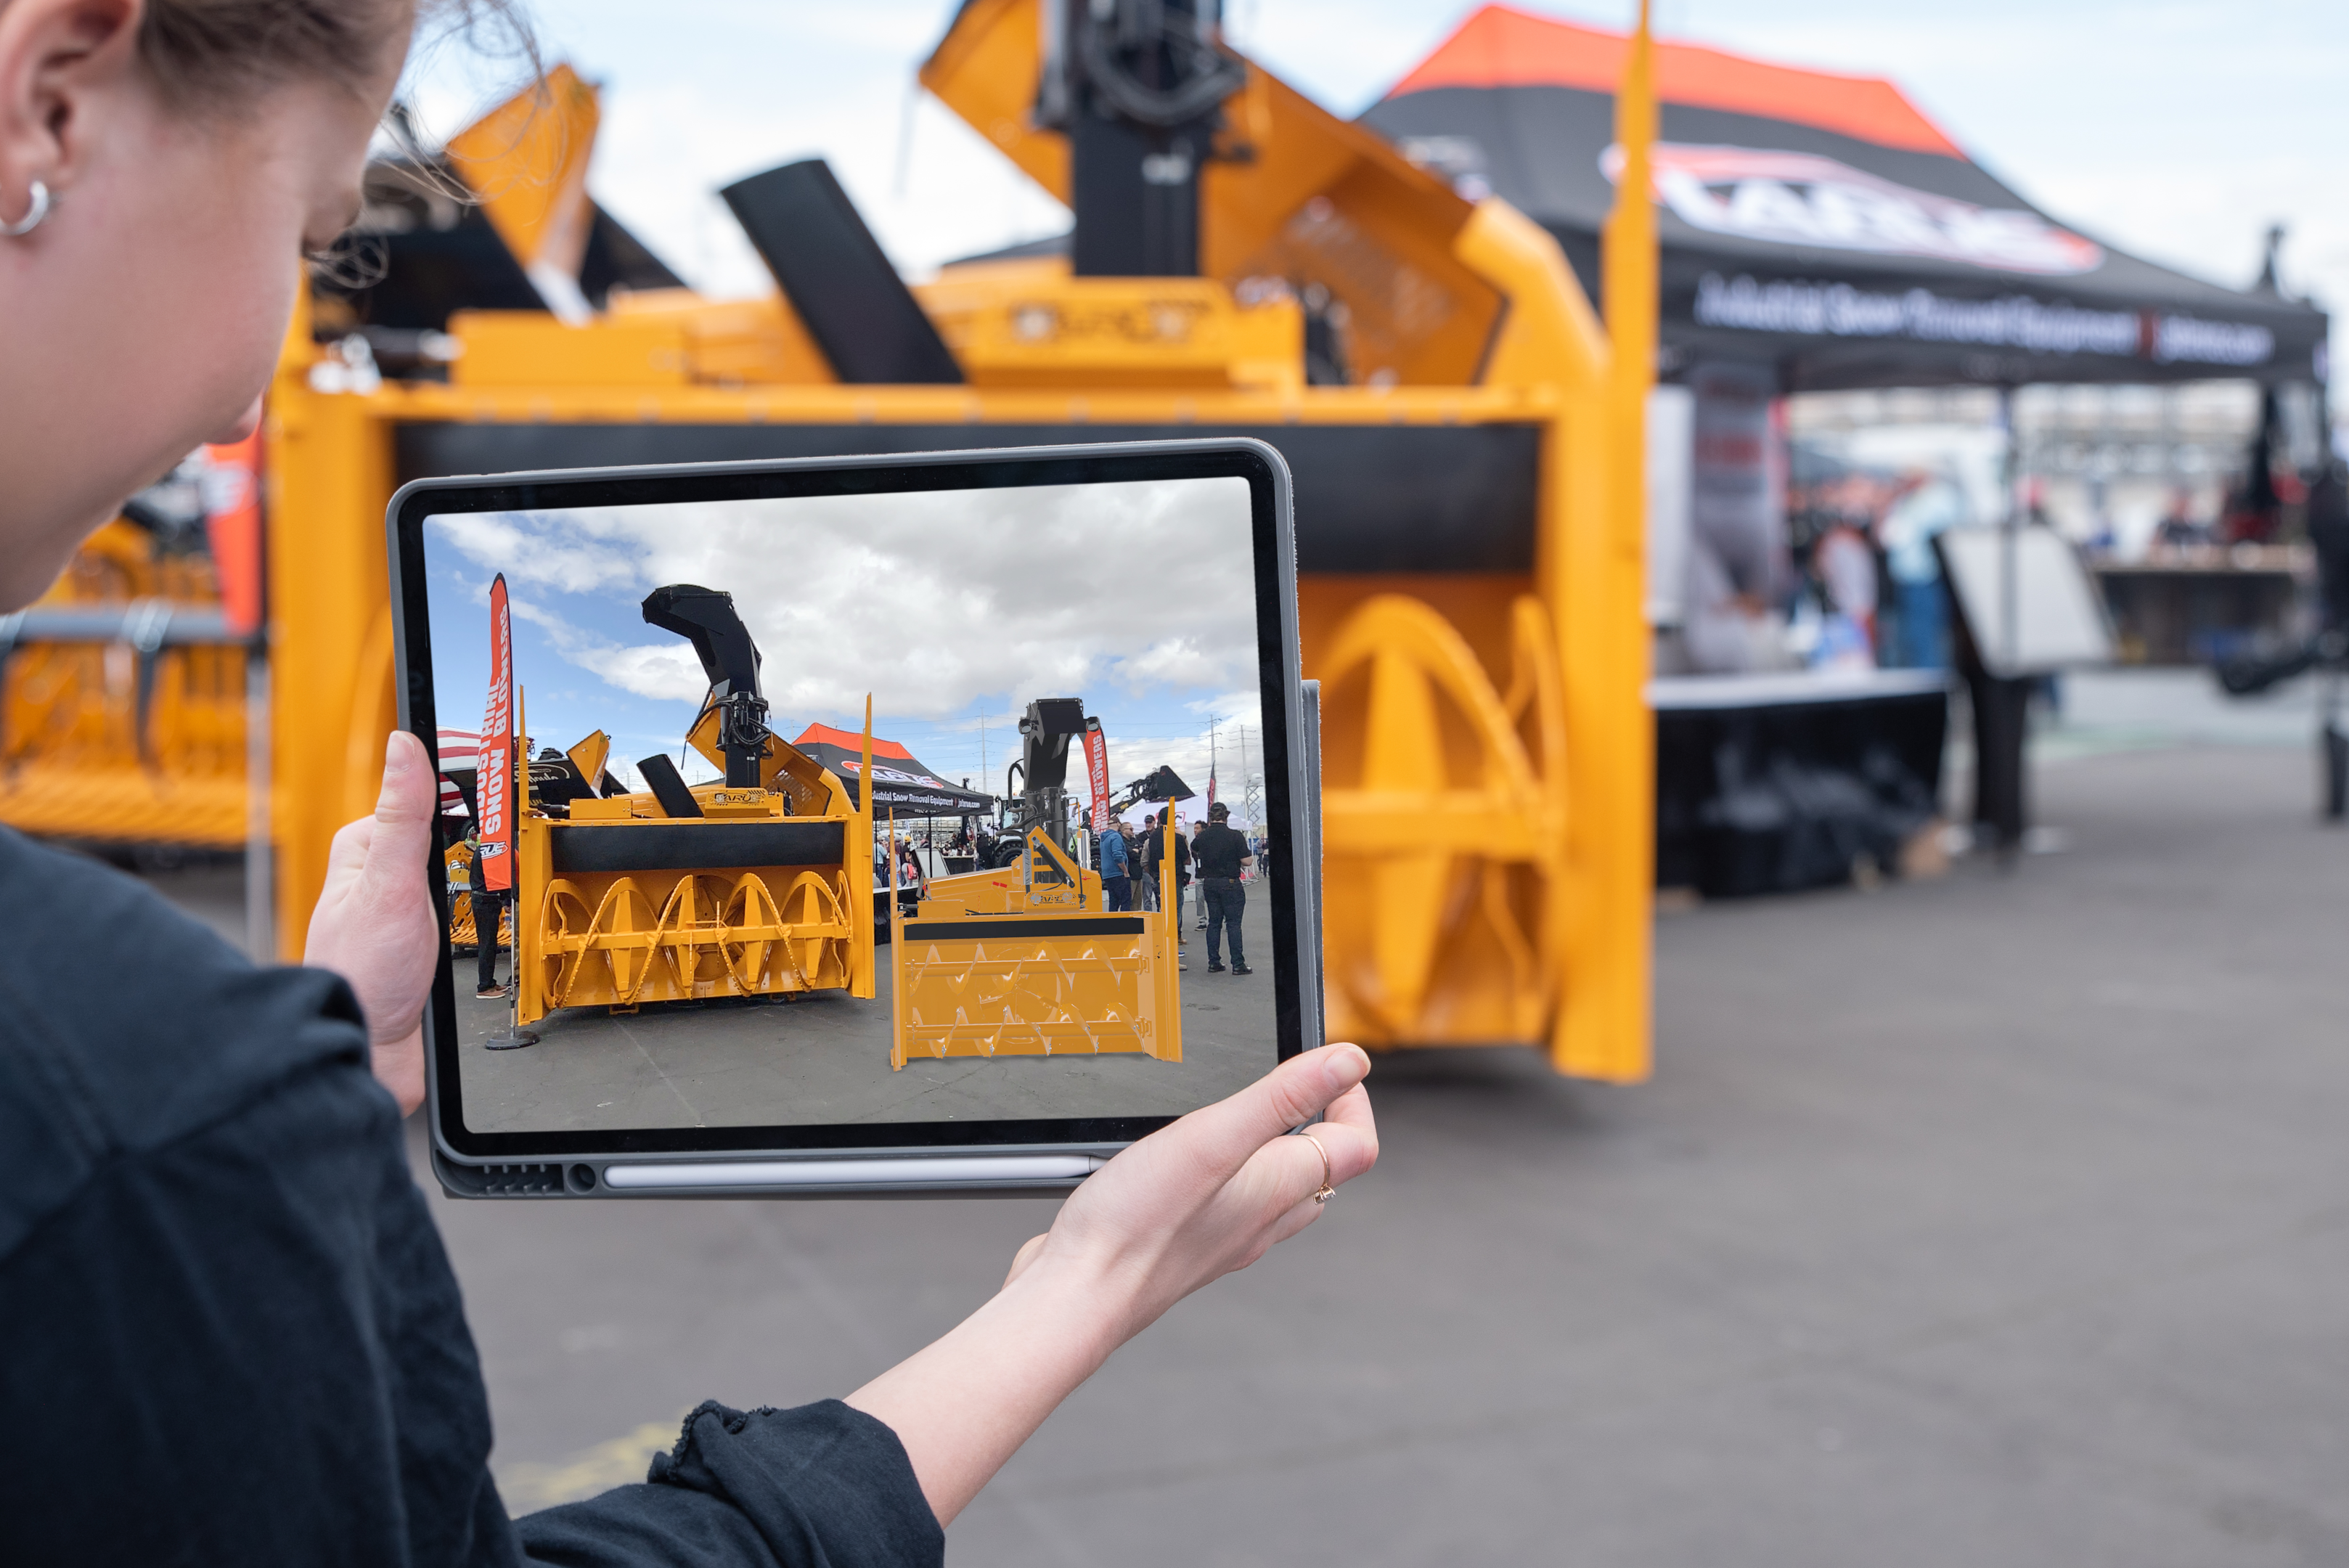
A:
x: 863, y: 983
x: 1629, y: 275
x: 1603, y: 1026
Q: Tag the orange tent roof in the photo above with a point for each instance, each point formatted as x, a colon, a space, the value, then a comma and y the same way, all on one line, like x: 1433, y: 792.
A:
x: 1499, y: 47
x: 851, y: 741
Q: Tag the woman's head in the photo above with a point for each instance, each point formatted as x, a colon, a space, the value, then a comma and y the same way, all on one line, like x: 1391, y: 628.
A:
x: 192, y: 150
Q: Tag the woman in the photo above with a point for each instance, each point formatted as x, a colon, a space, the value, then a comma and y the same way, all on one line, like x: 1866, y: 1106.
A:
x: 228, y: 1333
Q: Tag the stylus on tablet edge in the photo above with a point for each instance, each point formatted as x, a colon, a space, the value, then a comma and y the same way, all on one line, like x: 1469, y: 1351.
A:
x: 845, y: 1172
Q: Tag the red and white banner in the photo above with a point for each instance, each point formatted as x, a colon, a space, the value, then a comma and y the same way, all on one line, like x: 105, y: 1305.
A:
x: 461, y: 752
x: 1097, y: 771
x: 495, y: 779
x: 230, y: 488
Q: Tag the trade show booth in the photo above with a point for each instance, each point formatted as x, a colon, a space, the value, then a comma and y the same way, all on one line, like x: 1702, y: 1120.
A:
x: 1818, y: 232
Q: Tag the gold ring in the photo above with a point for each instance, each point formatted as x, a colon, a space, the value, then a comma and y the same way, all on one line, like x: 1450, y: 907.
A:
x: 1325, y: 1192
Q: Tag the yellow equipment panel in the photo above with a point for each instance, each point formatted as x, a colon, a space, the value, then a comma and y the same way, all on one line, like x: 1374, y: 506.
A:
x: 1030, y: 961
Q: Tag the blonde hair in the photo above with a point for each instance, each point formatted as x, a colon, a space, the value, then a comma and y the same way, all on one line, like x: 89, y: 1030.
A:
x: 211, y: 54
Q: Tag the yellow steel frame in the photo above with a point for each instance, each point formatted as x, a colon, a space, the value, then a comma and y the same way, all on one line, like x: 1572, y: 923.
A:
x: 1490, y: 754
x: 1025, y: 985
x: 73, y: 759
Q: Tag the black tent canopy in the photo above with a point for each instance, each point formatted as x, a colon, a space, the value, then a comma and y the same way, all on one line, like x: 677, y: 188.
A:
x: 1822, y: 223
x: 901, y: 784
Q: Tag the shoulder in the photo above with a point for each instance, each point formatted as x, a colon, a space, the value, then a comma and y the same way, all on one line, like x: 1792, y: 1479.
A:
x: 129, y: 1025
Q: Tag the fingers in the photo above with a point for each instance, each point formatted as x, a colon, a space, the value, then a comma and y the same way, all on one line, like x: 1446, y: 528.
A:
x: 1351, y: 1134
x: 409, y: 792
x: 1299, y: 1217
x: 395, y: 838
x: 1292, y: 1094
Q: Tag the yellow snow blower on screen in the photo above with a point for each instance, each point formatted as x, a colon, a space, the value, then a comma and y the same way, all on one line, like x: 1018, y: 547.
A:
x: 753, y: 885
x: 1025, y: 957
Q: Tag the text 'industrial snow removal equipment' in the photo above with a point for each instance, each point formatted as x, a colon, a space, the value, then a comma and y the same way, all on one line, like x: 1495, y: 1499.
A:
x: 754, y: 885
x: 1027, y: 959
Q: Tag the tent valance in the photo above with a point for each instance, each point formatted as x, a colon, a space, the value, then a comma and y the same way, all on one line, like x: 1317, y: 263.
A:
x: 901, y: 784
x: 1822, y: 222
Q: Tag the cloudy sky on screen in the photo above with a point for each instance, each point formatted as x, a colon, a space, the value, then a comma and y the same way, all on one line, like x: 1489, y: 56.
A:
x: 2179, y: 129
x: 951, y: 608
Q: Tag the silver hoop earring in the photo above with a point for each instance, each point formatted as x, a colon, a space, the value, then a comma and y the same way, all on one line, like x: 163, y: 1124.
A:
x: 36, y: 209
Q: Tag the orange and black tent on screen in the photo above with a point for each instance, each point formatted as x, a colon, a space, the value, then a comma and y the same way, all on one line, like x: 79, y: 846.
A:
x: 901, y: 785
x: 1821, y: 222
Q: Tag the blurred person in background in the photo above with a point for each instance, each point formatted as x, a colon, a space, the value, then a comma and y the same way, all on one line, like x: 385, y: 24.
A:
x: 1927, y: 505
x: 2328, y: 531
x: 228, y: 1330
x: 1116, y: 886
x: 485, y: 908
x: 1199, y: 899
x: 1221, y: 855
x: 2179, y: 530
x: 1153, y: 854
x: 1845, y: 565
x: 1728, y: 626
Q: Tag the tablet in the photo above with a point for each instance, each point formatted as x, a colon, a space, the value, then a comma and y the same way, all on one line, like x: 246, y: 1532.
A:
x: 914, y: 824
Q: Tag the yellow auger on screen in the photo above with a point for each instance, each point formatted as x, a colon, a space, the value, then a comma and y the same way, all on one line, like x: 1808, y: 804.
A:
x: 1027, y: 958
x: 755, y: 885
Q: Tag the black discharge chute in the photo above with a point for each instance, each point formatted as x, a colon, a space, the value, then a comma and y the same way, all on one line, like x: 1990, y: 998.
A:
x: 707, y: 619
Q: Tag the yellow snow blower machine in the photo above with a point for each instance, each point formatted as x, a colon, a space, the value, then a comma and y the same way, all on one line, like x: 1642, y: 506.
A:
x: 1024, y: 956
x: 754, y: 885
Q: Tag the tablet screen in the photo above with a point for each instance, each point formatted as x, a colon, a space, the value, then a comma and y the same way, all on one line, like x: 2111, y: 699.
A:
x: 853, y: 810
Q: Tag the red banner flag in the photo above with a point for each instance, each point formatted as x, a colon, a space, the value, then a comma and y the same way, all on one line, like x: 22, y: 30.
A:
x: 1097, y: 768
x: 231, y: 496
x: 495, y: 779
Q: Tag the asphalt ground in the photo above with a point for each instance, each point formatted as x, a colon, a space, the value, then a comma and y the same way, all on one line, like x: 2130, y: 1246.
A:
x: 1998, y: 1218
x: 823, y: 1058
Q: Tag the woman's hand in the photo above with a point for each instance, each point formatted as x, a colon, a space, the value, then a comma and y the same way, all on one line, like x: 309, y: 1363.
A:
x: 374, y: 923
x: 1189, y: 1204
x: 1216, y: 1191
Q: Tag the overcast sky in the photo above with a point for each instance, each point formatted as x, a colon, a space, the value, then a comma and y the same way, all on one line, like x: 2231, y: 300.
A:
x: 948, y: 607
x: 2179, y: 129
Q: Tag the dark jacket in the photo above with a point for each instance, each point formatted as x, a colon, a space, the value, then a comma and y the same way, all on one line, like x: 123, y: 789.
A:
x: 1154, y: 850
x: 1221, y: 851
x: 228, y: 1332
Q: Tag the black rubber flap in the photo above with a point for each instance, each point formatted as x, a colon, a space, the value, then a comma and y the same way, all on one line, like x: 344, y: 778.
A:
x: 860, y: 312
x: 1015, y: 928
x: 1370, y: 498
x: 694, y: 847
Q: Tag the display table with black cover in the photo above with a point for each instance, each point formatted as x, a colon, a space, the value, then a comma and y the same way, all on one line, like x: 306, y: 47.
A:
x: 1770, y: 783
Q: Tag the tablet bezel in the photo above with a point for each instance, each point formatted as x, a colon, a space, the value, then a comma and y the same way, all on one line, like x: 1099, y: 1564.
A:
x: 1292, y: 886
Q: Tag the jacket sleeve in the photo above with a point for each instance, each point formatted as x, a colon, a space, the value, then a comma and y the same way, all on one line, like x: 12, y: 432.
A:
x: 822, y: 1485
x: 207, y: 1362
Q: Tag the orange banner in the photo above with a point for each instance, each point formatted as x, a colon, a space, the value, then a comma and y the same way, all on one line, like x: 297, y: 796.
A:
x: 1097, y: 768
x: 495, y: 781
x: 232, y: 491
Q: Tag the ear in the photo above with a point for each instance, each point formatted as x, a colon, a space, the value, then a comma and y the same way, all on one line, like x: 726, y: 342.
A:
x: 60, y: 61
